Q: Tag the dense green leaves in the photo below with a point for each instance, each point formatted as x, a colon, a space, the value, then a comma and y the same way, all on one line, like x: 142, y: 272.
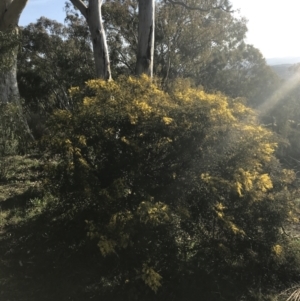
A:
x: 54, y: 57
x: 9, y: 41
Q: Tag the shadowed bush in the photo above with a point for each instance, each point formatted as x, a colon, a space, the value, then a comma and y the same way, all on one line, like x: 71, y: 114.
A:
x: 180, y: 191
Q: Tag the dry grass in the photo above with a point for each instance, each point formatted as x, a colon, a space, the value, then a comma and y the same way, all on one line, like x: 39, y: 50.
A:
x: 295, y: 296
x: 290, y: 294
x: 20, y: 181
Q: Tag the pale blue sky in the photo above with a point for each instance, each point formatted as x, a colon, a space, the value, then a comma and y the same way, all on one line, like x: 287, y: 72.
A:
x: 52, y: 9
x: 273, y: 25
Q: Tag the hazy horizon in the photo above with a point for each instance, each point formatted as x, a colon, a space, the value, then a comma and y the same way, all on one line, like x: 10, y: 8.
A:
x: 283, y: 60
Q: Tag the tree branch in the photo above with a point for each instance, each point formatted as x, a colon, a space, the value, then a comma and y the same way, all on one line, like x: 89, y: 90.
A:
x: 124, y: 61
x: 283, y: 230
x: 228, y: 10
x: 12, y: 13
x: 81, y: 6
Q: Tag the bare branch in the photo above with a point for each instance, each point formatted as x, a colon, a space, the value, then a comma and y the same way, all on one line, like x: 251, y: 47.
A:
x: 81, y: 6
x: 283, y: 230
x: 124, y: 61
x: 228, y: 10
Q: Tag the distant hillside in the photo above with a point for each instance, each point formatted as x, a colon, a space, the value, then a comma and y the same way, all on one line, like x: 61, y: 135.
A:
x: 281, y: 65
x: 283, y: 61
x: 283, y: 70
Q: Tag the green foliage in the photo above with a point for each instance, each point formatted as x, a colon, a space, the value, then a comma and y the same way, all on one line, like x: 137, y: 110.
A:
x: 207, y: 47
x: 54, y: 57
x: 9, y: 142
x: 121, y: 23
x: 9, y: 41
x: 180, y: 191
x: 246, y: 74
x: 282, y: 115
x: 14, y: 137
x: 193, y: 43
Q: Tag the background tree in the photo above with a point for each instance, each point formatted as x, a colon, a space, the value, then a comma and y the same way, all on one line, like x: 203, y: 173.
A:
x: 205, y: 46
x: 145, y: 53
x: 54, y: 58
x: 190, y: 42
x: 10, y: 12
x: 245, y: 74
x: 121, y: 21
x: 281, y: 114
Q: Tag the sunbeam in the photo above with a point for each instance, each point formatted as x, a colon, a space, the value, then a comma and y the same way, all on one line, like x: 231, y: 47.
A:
x: 279, y: 94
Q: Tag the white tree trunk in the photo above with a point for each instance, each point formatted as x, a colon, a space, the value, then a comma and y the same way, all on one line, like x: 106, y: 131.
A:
x: 9, y: 91
x: 93, y: 16
x: 100, y: 48
x: 145, y: 51
x: 10, y: 12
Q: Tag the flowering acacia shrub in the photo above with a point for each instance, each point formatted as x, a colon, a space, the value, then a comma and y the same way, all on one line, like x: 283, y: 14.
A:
x: 181, y: 190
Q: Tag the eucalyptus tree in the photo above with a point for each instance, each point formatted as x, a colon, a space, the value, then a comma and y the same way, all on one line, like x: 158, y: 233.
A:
x: 146, y: 33
x: 91, y: 10
x: 144, y: 40
x: 188, y: 42
x: 10, y: 12
x: 121, y: 22
x: 195, y: 43
x: 145, y: 49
